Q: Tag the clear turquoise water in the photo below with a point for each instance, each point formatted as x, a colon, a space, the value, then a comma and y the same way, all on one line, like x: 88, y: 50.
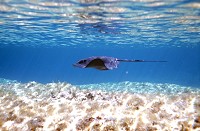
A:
x: 41, y: 90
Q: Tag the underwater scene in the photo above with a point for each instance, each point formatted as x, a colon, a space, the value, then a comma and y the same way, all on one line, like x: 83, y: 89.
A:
x: 99, y: 65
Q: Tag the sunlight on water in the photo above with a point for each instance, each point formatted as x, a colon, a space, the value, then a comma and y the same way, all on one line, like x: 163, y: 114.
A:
x: 56, y: 23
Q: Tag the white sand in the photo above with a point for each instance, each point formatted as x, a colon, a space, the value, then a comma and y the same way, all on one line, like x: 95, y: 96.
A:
x: 61, y: 106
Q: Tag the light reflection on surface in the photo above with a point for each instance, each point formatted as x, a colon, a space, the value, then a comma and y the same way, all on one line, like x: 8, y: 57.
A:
x: 137, y: 19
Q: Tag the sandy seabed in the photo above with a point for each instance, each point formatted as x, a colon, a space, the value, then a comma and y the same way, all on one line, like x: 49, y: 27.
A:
x: 63, y: 107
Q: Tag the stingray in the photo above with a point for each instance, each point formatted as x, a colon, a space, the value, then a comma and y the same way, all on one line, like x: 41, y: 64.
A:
x: 104, y: 62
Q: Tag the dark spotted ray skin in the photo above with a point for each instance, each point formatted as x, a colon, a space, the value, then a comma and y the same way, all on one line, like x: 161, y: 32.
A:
x: 104, y: 62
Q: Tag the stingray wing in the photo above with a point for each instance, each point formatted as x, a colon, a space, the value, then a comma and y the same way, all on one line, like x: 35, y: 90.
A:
x: 97, y: 63
x: 110, y: 62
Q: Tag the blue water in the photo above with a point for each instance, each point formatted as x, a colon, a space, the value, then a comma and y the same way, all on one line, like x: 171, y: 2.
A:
x: 39, y: 41
x: 40, y: 89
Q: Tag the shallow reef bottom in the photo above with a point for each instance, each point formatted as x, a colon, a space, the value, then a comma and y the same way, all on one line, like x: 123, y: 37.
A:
x: 61, y: 106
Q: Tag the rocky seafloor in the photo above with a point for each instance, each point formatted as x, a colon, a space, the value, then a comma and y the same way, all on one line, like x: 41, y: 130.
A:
x: 63, y: 107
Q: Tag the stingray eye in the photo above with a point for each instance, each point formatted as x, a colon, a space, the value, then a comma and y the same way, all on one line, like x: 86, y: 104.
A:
x: 82, y: 61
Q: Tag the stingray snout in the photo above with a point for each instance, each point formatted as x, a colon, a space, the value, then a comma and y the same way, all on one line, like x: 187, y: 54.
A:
x: 78, y: 65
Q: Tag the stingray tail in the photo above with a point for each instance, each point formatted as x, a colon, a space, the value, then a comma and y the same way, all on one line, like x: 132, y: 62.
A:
x: 125, y: 60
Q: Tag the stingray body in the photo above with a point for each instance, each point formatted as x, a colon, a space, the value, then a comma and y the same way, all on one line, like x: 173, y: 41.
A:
x: 104, y: 62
